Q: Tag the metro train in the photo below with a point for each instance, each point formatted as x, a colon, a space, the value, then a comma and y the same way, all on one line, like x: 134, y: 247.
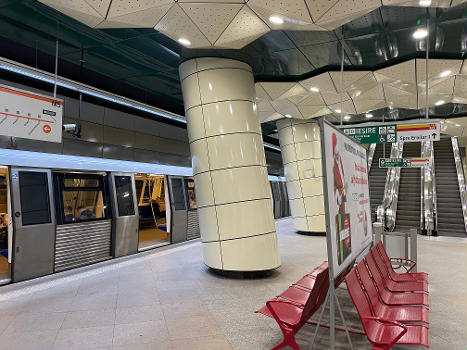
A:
x: 59, y: 212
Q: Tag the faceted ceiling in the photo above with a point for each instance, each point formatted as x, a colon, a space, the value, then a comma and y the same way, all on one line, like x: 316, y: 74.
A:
x: 145, y: 60
x: 224, y: 23
x: 401, y: 85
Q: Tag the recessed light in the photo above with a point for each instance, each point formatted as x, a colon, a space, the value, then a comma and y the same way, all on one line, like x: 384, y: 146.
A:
x: 184, y: 41
x: 440, y: 102
x: 445, y: 73
x: 369, y: 115
x: 314, y: 89
x: 458, y: 125
x: 347, y: 117
x: 425, y: 3
x: 276, y: 20
x: 288, y: 116
x: 337, y: 111
x: 420, y: 33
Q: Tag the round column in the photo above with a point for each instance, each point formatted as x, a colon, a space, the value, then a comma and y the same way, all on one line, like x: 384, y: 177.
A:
x: 231, y: 180
x: 301, y: 154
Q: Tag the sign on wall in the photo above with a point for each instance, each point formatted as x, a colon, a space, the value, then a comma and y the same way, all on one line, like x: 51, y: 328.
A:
x: 404, y: 162
x: 348, y: 214
x: 30, y: 115
x: 389, y: 133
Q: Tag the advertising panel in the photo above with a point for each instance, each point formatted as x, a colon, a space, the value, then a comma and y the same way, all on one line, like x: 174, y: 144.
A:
x: 348, y: 213
x: 30, y: 115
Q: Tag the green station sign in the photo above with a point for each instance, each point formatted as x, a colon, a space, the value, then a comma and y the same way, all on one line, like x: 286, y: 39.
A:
x: 373, y: 134
x: 403, y: 162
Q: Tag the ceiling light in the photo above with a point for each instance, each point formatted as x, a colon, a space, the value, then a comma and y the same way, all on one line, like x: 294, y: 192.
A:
x: 424, y: 3
x: 288, y: 116
x: 337, y: 111
x: 314, y: 89
x: 445, y: 73
x: 420, y: 33
x: 457, y: 125
x: 184, y: 41
x: 276, y: 20
x: 369, y: 115
x: 347, y: 117
x: 440, y: 102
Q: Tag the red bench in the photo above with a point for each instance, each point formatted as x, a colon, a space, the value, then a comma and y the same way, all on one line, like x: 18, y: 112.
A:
x: 293, y: 308
x: 383, y: 301
x: 399, y: 277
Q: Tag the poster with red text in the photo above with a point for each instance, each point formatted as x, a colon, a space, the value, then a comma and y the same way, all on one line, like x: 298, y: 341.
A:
x: 348, y: 213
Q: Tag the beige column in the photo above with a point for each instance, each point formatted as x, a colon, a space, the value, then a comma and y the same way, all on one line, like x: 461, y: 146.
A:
x: 301, y: 155
x: 229, y: 166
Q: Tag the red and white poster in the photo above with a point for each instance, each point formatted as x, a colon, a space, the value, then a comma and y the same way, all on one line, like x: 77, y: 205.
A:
x: 30, y: 115
x: 348, y: 213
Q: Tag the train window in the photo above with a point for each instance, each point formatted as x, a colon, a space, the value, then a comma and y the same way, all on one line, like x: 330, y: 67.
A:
x: 191, y: 195
x: 177, y: 191
x: 81, y: 182
x: 83, y: 197
x: 34, y: 198
x: 124, y: 190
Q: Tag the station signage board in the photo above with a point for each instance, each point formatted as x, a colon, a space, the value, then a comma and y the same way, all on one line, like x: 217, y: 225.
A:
x: 389, y: 133
x: 29, y: 115
x: 404, y: 162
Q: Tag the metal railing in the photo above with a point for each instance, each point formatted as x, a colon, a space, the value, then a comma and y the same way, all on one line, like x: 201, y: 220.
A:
x: 460, y: 178
x: 371, y: 153
x: 428, y: 202
x: 386, y: 212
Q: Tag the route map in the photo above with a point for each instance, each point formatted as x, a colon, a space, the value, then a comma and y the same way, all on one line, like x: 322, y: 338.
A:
x: 30, y: 115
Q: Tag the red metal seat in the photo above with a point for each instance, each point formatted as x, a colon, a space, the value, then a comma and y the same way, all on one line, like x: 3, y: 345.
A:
x: 298, y: 295
x: 376, y: 271
x: 399, y: 277
x: 393, y: 312
x: 396, y: 298
x: 382, y: 333
x: 306, y: 282
x: 291, y: 315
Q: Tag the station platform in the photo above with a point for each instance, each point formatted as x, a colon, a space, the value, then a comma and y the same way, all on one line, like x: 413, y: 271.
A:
x: 168, y: 299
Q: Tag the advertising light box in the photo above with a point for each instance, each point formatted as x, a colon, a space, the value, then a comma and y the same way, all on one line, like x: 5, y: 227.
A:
x: 347, y: 197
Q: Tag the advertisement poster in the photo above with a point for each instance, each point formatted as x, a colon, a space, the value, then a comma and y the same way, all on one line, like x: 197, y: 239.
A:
x: 30, y: 115
x: 348, y: 199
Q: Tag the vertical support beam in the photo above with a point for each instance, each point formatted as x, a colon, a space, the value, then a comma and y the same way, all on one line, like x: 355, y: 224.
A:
x: 229, y: 166
x: 301, y: 155
x: 56, y: 68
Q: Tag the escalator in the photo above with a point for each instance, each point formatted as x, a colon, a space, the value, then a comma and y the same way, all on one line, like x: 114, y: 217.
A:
x: 450, y: 217
x: 377, y: 179
x: 408, y: 205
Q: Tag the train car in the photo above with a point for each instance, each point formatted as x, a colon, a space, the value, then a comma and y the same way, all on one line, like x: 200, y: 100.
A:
x: 59, y: 212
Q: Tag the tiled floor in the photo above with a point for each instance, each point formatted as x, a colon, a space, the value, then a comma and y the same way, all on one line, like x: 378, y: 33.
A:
x: 168, y: 299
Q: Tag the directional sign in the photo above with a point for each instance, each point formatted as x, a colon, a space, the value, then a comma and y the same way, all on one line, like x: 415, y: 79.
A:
x: 403, y: 162
x: 389, y: 133
x: 418, y: 132
x: 30, y: 115
x: 372, y: 134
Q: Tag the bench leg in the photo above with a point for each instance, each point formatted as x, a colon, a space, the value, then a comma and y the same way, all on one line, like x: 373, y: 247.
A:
x: 289, y: 340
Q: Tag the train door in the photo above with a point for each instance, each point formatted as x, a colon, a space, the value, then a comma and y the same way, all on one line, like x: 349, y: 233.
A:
x: 276, y: 197
x: 125, y: 214
x: 152, y: 202
x: 178, y: 209
x: 33, y: 222
x: 6, y: 228
x: 192, y: 231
